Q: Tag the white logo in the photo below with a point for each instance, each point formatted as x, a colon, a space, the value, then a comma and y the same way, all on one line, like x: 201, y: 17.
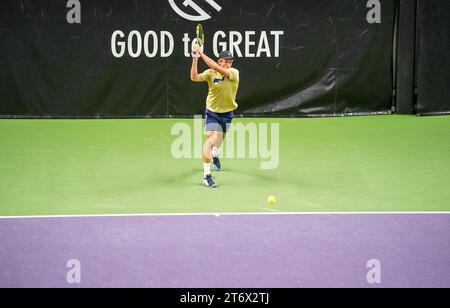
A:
x: 74, y: 274
x: 244, y: 141
x: 374, y: 275
x: 190, y: 3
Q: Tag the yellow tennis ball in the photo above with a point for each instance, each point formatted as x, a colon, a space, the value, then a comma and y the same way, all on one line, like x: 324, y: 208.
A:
x: 271, y: 200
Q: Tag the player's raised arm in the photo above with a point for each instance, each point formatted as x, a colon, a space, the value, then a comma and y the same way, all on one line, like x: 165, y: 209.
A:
x: 195, y: 76
x: 214, y: 65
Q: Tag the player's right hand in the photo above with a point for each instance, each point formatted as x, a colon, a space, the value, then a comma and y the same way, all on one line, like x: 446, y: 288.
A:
x: 197, y: 52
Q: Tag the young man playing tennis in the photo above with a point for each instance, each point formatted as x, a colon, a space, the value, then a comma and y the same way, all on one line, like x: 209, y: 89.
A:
x: 223, y: 83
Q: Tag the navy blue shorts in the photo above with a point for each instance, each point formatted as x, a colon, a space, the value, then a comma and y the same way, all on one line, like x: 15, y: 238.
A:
x: 218, y: 122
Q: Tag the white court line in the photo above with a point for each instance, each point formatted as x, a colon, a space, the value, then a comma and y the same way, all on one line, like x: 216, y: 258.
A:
x: 226, y: 214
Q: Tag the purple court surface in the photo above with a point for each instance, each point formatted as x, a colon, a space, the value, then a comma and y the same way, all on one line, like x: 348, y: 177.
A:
x: 231, y: 251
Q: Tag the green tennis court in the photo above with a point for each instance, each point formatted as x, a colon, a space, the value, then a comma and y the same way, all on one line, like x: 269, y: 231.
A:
x: 379, y: 163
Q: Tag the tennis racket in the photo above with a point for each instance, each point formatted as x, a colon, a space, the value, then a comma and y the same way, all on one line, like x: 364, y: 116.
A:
x: 200, y: 35
x: 199, y: 39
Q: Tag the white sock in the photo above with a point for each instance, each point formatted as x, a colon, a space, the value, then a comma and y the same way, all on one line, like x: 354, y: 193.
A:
x: 215, y: 152
x: 206, y: 169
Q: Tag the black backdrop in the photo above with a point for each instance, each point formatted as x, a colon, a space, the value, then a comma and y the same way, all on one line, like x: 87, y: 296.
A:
x: 433, y: 59
x: 331, y: 60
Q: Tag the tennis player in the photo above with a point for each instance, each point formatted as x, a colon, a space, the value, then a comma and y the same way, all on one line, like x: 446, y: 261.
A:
x: 223, y: 83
